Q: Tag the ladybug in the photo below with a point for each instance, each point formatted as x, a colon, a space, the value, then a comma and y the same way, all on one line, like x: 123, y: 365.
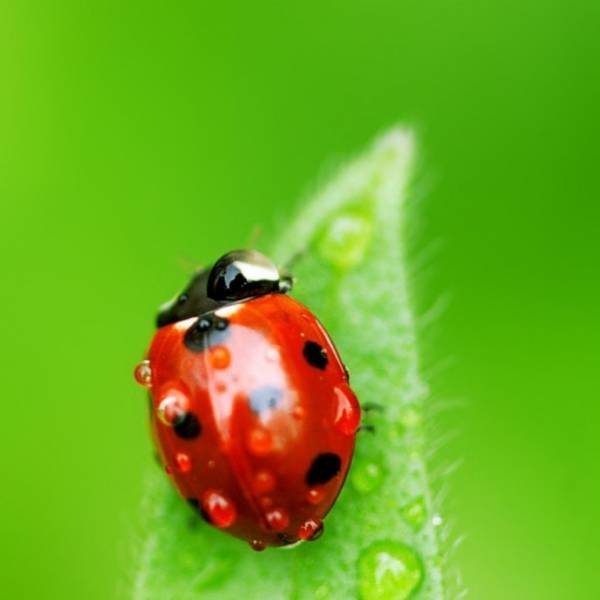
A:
x: 251, y: 408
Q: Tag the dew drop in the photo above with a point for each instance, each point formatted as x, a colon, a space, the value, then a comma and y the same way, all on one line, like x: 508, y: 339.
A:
x: 345, y: 240
x: 347, y: 412
x: 266, y: 502
x: 173, y: 407
x: 257, y: 545
x: 143, y: 373
x: 411, y: 418
x: 366, y: 477
x: 277, y: 519
x: 436, y: 520
x: 259, y: 442
x: 220, y: 510
x: 298, y: 412
x: 219, y: 357
x: 183, y: 462
x: 221, y: 387
x: 263, y: 482
x: 272, y: 354
x: 310, y: 530
x: 388, y: 569
x: 414, y: 513
x: 323, y: 592
x: 315, y: 495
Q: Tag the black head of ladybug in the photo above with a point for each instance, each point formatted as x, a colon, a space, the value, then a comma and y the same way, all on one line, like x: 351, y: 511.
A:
x: 236, y: 276
x: 243, y: 274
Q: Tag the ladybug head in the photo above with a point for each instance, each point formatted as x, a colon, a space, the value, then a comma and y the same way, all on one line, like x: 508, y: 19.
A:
x: 243, y: 274
x: 236, y: 276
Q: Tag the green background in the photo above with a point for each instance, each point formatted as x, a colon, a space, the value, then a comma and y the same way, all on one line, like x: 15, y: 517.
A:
x: 139, y: 139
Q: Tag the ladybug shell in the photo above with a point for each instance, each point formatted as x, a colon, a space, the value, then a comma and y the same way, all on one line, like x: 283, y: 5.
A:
x: 254, y: 418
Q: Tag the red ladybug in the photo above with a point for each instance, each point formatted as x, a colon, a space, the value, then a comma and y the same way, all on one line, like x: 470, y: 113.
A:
x: 252, y: 413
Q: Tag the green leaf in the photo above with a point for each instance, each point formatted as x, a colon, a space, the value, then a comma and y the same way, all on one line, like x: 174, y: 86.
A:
x: 381, y: 539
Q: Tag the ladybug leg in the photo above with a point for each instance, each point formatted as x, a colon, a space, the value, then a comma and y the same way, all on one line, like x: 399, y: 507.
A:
x: 367, y: 427
x: 293, y: 260
x: 287, y: 280
x: 368, y: 407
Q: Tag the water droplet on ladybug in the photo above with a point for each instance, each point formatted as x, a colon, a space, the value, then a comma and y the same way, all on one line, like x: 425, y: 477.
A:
x: 257, y: 545
x: 183, y: 462
x: 143, y: 373
x: 315, y: 495
x: 263, y: 482
x: 173, y: 407
x: 277, y: 519
x: 388, y: 569
x: 347, y: 410
x: 272, y: 354
x: 298, y: 412
x: 220, y: 510
x: 219, y: 357
x: 259, y: 441
x: 221, y: 387
x: 266, y: 501
x: 310, y: 530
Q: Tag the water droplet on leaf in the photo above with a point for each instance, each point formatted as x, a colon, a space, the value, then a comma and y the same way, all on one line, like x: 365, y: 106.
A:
x: 366, y: 477
x: 415, y: 513
x: 388, y: 570
x: 345, y: 240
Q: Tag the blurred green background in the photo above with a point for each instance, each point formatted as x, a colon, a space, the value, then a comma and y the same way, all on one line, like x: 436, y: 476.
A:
x: 138, y: 139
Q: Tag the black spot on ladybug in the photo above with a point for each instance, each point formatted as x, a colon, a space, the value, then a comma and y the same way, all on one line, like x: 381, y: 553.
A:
x: 285, y: 539
x: 205, y: 516
x: 315, y: 355
x: 193, y: 502
x: 208, y: 330
x: 265, y: 398
x: 317, y: 534
x: 189, y: 427
x: 323, y: 468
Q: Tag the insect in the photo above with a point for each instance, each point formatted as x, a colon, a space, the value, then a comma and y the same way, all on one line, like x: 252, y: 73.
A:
x: 252, y: 413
